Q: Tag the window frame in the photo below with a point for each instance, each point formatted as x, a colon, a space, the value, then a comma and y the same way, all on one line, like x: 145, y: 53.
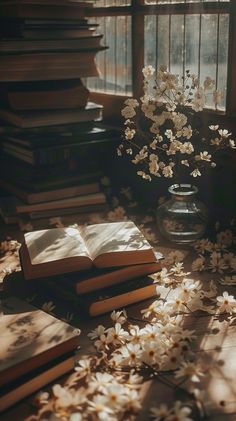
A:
x: 137, y: 11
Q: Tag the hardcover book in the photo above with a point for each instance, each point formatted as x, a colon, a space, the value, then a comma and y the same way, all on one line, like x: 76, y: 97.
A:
x: 35, y: 380
x: 42, y: 9
x: 80, y: 189
x: 53, y: 94
x: 10, y: 46
x: 106, y: 299
x: 30, y: 338
x: 26, y: 119
x: 42, y: 66
x: 62, y: 250
x: 96, y: 279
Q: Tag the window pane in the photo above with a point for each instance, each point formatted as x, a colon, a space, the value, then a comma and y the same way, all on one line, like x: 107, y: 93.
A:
x: 114, y: 63
x: 107, y: 3
x: 198, y: 43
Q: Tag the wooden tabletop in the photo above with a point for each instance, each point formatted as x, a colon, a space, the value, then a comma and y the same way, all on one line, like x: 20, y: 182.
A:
x: 215, y: 340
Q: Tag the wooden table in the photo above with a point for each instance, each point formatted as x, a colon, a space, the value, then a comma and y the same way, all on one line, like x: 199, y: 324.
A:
x: 215, y: 335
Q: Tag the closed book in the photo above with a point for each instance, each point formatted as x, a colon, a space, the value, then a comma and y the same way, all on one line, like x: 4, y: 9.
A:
x: 30, y: 183
x: 96, y: 279
x: 50, y: 9
x: 8, y: 209
x: 26, y: 119
x: 106, y: 299
x: 30, y: 338
x: 21, y: 45
x: 44, y: 66
x: 56, y: 154
x: 56, y: 33
x: 51, y: 213
x: 63, y: 250
x: 47, y: 95
x: 82, y: 189
x: 36, y: 380
x: 75, y: 201
x: 69, y: 134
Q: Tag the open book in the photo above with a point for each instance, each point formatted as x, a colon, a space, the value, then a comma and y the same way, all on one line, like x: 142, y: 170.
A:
x: 62, y: 250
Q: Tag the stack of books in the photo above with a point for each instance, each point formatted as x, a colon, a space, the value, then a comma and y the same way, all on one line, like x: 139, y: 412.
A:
x: 36, y: 348
x: 53, y: 142
x: 97, y: 268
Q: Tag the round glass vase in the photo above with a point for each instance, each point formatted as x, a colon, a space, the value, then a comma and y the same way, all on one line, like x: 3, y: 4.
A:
x: 182, y: 219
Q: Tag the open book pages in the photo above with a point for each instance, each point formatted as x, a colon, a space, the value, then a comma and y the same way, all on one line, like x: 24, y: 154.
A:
x: 61, y: 250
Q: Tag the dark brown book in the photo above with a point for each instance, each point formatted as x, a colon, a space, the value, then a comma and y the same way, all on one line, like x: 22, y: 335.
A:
x: 96, y: 279
x: 56, y: 33
x: 60, y: 94
x: 38, y: 378
x: 40, y: 118
x: 106, y: 299
x: 34, y: 197
x: 42, y: 9
x: 10, y: 46
x: 30, y: 338
x: 49, y: 66
x: 71, y: 249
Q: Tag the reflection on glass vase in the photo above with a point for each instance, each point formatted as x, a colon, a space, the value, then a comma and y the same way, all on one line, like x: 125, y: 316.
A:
x: 182, y: 219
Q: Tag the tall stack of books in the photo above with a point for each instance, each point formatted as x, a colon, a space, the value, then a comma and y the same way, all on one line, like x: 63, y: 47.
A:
x: 51, y: 134
x: 95, y: 268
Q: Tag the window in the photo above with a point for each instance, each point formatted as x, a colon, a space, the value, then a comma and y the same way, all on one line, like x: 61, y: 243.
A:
x: 195, y: 35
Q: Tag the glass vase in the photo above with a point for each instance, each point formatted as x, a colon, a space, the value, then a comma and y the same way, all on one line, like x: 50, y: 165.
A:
x: 182, y: 218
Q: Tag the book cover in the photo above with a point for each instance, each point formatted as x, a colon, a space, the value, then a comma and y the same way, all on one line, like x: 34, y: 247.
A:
x: 42, y: 66
x: 55, y: 94
x: 36, y: 379
x: 40, y: 9
x: 63, y: 250
x: 106, y: 299
x: 30, y: 338
x: 24, y: 119
x: 96, y: 279
x: 58, y: 153
x: 78, y: 189
x: 73, y: 134
x: 18, y: 46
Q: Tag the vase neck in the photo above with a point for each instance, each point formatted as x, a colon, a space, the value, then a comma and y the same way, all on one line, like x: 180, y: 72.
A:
x: 183, y: 192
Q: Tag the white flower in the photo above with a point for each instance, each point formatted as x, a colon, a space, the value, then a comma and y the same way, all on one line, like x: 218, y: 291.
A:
x: 181, y: 412
x: 199, y: 100
x: 187, y: 132
x: 116, y: 334
x: 148, y: 71
x: 167, y: 171
x: 100, y: 330
x: 159, y: 413
x: 192, y: 370
x: 208, y: 83
x: 129, y: 133
x: 99, y: 406
x: 175, y: 256
x: 128, y: 112
x: 226, y: 303
x: 198, y: 265
x: 217, y: 263
x: 119, y: 316
x: 205, y: 156
x: 214, y: 128
x: 131, y: 102
x: 187, y: 148
x: 195, y: 173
